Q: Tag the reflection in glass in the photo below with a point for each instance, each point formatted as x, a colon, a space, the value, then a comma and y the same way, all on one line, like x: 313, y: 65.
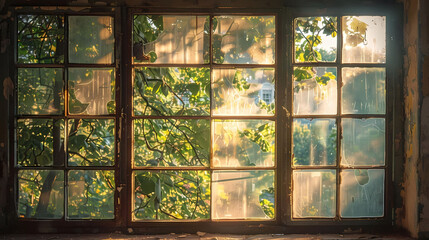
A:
x: 171, y: 142
x: 243, y: 195
x: 315, y: 90
x: 91, y: 142
x: 362, y: 193
x: 363, y: 142
x: 243, y: 143
x: 314, y: 142
x: 171, y: 39
x: 40, y: 91
x: 243, y: 91
x: 244, y: 39
x: 364, y: 39
x: 40, y: 38
x: 90, y: 194
x: 40, y: 194
x: 91, y: 40
x: 364, y: 91
x: 91, y: 91
x: 172, y: 91
x: 38, y: 140
x: 315, y: 39
x: 171, y: 195
x: 314, y: 193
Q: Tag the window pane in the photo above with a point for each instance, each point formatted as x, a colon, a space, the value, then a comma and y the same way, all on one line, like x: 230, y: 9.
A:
x: 40, y: 91
x: 315, y: 90
x: 243, y: 195
x: 41, y: 194
x: 91, y: 91
x: 172, y: 91
x: 171, y: 195
x: 314, y: 142
x: 243, y: 91
x: 244, y: 39
x: 363, y: 142
x: 364, y: 39
x: 91, y: 40
x: 314, y: 193
x: 243, y: 143
x: 91, y: 142
x: 90, y: 194
x: 315, y: 39
x: 171, y: 39
x: 38, y: 140
x: 40, y: 39
x: 364, y: 91
x: 362, y: 193
x: 171, y: 142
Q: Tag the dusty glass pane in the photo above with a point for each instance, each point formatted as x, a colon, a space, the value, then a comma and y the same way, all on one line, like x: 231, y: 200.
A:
x: 314, y: 142
x: 243, y: 143
x: 91, y: 39
x: 40, y: 142
x: 40, y: 91
x: 363, y: 142
x: 362, y: 193
x: 171, y: 39
x: 243, y: 91
x: 91, y: 142
x: 244, y: 39
x: 171, y: 142
x: 364, y: 91
x: 40, y: 38
x: 172, y: 91
x: 314, y: 193
x: 243, y: 195
x: 315, y: 39
x: 364, y: 39
x: 171, y: 195
x: 91, y: 91
x: 315, y: 90
x: 40, y: 194
x: 90, y: 194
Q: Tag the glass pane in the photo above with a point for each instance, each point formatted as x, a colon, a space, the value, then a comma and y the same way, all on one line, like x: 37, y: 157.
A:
x: 40, y: 142
x: 91, y: 142
x: 91, y: 91
x: 244, y: 39
x: 364, y: 39
x: 90, y: 194
x: 172, y: 91
x: 40, y: 39
x: 171, y: 195
x: 364, y: 91
x: 40, y: 194
x: 243, y: 91
x: 362, y: 193
x: 243, y: 195
x: 315, y: 39
x: 314, y: 142
x: 171, y: 142
x: 40, y: 91
x: 243, y: 143
x: 363, y: 142
x: 171, y: 39
x: 91, y: 40
x: 314, y: 193
x: 315, y: 90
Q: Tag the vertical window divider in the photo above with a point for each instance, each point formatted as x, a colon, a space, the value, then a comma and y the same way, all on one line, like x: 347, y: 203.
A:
x: 338, y: 122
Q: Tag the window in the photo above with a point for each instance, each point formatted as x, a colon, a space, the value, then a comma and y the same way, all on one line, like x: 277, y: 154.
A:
x: 203, y: 119
x: 65, y: 129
